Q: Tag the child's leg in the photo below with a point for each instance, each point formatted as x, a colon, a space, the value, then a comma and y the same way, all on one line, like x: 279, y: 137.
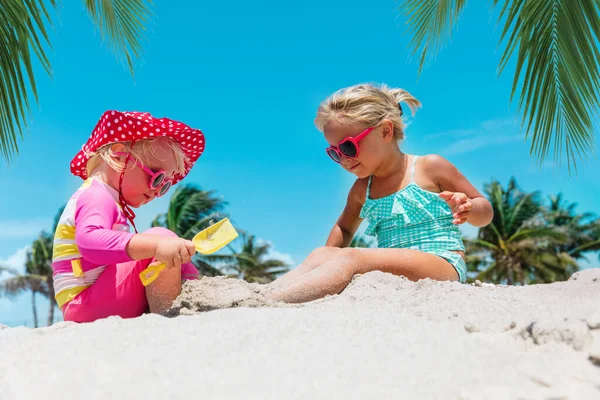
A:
x: 316, y: 258
x: 119, y: 291
x: 164, y: 290
x: 333, y: 276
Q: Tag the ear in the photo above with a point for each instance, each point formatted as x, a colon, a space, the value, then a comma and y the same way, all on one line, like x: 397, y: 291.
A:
x: 118, y: 148
x: 387, y: 130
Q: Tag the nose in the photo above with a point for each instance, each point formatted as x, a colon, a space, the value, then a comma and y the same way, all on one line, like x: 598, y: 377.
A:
x: 344, y: 160
x: 153, y: 194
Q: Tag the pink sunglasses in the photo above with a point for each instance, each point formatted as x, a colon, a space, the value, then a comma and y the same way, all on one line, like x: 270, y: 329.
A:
x: 158, y: 179
x: 348, y: 146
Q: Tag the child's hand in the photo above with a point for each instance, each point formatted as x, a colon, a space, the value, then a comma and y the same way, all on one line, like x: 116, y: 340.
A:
x: 174, y: 251
x: 460, y: 205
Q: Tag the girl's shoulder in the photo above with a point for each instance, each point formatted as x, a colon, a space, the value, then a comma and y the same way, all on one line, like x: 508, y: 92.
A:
x: 358, y: 191
x: 432, y: 165
x: 431, y: 171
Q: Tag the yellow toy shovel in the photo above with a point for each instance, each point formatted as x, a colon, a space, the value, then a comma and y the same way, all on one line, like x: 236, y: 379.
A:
x: 208, y: 241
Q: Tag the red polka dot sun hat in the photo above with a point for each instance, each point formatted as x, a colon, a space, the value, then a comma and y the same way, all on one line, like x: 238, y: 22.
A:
x: 116, y: 126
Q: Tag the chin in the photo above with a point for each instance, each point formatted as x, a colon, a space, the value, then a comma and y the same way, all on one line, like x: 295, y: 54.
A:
x: 136, y: 203
x: 360, y: 172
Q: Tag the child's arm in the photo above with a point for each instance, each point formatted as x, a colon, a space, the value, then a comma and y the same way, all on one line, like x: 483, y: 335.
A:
x: 173, y: 251
x: 96, y: 213
x: 468, y: 205
x: 343, y: 231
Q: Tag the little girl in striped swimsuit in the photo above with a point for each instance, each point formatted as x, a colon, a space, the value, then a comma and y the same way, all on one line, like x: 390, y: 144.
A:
x: 130, y: 159
x: 413, y: 204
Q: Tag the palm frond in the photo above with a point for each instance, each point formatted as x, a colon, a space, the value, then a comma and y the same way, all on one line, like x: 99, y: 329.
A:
x: 556, y: 74
x: 479, y: 244
x: 430, y: 22
x: 589, y: 246
x: 191, y: 209
x: 202, y: 224
x: 542, y: 232
x: 205, y: 269
x: 121, y: 24
x: 20, y: 283
x: 22, y: 30
x: 9, y: 270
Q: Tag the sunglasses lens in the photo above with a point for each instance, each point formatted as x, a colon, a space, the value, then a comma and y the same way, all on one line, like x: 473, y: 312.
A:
x: 334, y: 155
x: 158, y: 179
x: 165, y: 188
x: 348, y: 148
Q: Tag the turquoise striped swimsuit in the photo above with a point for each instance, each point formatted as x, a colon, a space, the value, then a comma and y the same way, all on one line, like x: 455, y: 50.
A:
x: 417, y: 219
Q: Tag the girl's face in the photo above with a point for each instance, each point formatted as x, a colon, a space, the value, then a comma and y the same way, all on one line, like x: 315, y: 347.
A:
x: 373, y: 148
x: 136, y: 182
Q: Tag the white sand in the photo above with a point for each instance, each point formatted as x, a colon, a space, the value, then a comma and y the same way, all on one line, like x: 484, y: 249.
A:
x: 384, y: 337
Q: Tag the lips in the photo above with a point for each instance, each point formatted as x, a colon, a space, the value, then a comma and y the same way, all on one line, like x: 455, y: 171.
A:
x: 353, y: 167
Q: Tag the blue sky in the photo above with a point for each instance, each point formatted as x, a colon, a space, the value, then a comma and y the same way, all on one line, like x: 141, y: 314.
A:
x: 251, y: 76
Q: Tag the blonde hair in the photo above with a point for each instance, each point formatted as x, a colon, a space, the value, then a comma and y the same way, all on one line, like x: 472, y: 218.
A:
x: 367, y: 104
x: 142, y: 150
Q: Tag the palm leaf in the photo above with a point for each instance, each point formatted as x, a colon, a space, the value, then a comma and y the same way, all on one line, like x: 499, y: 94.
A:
x: 430, y: 21
x: 555, y: 44
x: 557, y: 72
x: 20, y: 283
x: 589, y: 246
x: 479, y: 244
x: 10, y: 270
x: 121, y: 24
x: 205, y: 269
x: 542, y: 232
x: 23, y: 34
x: 22, y: 29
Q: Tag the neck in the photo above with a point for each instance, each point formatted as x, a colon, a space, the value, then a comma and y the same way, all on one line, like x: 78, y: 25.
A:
x: 393, y: 163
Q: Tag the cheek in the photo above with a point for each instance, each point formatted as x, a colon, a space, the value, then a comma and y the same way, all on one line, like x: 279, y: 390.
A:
x: 135, y: 183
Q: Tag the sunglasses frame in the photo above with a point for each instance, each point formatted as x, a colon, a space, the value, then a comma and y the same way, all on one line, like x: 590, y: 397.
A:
x: 153, y: 175
x: 352, y: 139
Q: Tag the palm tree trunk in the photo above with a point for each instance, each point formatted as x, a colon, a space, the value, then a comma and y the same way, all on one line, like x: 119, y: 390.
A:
x: 510, y: 276
x: 34, y: 309
x: 51, y: 313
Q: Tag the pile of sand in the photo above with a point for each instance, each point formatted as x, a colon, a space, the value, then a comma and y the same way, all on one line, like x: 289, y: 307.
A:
x: 383, y: 337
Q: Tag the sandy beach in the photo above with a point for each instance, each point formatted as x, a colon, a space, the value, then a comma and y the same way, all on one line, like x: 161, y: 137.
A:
x: 383, y: 337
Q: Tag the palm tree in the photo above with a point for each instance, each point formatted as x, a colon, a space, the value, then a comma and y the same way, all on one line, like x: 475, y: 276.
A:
x: 518, y: 246
x: 582, y: 230
x: 251, y: 263
x: 35, y: 279
x: 24, y: 35
x: 362, y: 241
x: 41, y: 262
x: 38, y: 273
x: 18, y: 284
x: 190, y: 211
x: 555, y: 43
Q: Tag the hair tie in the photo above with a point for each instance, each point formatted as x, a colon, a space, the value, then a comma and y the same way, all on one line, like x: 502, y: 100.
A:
x: 401, y: 111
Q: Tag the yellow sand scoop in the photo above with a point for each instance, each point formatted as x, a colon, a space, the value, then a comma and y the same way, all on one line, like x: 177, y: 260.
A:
x: 208, y: 241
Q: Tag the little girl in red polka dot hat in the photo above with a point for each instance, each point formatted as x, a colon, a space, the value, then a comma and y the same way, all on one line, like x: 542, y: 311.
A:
x: 130, y: 159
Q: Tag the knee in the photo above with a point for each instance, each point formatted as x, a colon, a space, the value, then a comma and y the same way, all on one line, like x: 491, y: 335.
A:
x: 325, y: 252
x: 353, y: 259
x: 160, y: 231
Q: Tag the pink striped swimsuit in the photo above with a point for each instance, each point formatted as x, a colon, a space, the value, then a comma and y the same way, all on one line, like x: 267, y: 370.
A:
x: 94, y: 277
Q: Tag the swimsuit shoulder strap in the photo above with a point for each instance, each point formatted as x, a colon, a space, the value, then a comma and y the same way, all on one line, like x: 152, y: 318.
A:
x: 412, y: 173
